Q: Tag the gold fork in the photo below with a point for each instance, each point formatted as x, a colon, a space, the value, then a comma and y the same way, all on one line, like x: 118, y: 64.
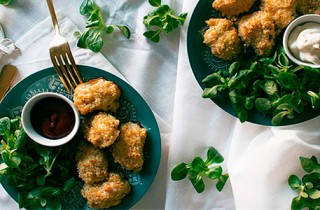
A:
x: 61, y: 56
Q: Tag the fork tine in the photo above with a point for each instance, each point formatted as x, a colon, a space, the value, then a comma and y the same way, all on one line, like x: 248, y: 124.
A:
x: 69, y: 71
x: 74, y: 66
x: 61, y: 65
x: 60, y: 74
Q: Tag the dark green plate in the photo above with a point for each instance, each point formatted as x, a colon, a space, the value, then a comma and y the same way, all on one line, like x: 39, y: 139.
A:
x: 204, y: 63
x: 133, y: 107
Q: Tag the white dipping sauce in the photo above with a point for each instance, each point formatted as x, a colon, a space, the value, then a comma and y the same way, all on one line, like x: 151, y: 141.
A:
x: 304, y: 42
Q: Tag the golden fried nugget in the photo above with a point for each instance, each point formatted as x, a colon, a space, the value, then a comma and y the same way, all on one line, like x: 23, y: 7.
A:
x: 258, y: 30
x: 222, y: 37
x: 282, y: 12
x: 106, y: 194
x: 128, y: 148
x: 230, y: 8
x: 96, y: 94
x: 308, y: 7
x: 101, y: 129
x: 280, y: 3
x: 91, y: 163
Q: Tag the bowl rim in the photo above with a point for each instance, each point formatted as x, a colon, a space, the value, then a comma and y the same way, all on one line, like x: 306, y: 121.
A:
x: 26, y: 123
x: 296, y: 22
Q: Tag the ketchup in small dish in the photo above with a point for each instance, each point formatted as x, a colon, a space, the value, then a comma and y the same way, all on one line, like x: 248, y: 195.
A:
x: 52, y: 118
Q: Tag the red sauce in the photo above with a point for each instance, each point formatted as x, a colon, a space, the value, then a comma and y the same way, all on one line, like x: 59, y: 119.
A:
x: 52, y: 118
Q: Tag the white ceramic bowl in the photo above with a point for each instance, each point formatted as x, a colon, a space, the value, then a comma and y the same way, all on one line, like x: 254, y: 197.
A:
x: 42, y: 139
x: 299, y: 21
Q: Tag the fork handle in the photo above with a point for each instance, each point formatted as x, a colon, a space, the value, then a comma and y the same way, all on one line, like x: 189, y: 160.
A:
x: 53, y: 17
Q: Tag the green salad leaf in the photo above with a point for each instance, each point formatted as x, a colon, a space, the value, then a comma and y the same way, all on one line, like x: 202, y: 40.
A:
x: 6, y: 2
x: 271, y: 85
x: 93, y: 35
x: 40, y: 174
x: 163, y: 18
x: 199, y: 168
x: 308, y: 188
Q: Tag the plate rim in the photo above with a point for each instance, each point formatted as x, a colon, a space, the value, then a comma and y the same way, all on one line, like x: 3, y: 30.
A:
x: 255, y: 118
x: 155, y: 134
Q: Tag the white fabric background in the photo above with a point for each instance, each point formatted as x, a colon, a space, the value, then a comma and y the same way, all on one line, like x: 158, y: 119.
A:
x: 258, y: 159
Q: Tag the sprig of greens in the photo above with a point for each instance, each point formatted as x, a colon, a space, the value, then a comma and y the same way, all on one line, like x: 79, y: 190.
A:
x: 92, y: 36
x: 308, y: 187
x: 6, y: 2
x: 272, y: 85
x: 161, y: 19
x: 199, y: 168
x: 39, y: 174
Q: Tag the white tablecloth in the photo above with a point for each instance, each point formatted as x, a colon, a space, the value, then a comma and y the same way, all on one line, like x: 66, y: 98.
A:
x: 258, y: 159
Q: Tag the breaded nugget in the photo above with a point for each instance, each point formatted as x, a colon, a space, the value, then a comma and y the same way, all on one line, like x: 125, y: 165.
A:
x: 230, y: 8
x: 106, y: 194
x: 282, y: 12
x: 280, y: 3
x: 91, y: 163
x: 258, y: 30
x: 101, y: 129
x: 308, y: 7
x: 222, y: 37
x: 128, y: 148
x: 96, y: 94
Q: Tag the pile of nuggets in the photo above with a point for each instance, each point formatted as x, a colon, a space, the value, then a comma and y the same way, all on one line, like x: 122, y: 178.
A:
x: 239, y: 29
x: 96, y: 100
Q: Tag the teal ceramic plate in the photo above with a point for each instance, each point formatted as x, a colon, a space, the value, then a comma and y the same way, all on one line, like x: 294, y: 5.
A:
x: 133, y: 107
x: 204, y: 63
